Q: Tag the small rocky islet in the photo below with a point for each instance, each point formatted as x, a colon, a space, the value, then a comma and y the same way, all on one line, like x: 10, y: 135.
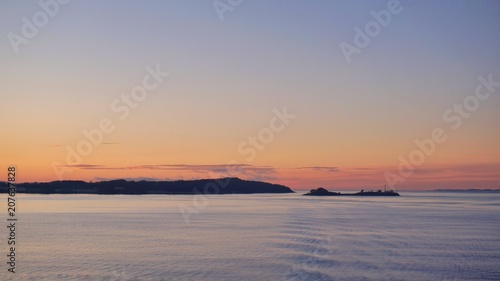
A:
x: 323, y: 192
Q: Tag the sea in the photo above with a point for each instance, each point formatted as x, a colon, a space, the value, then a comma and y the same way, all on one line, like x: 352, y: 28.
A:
x: 417, y: 236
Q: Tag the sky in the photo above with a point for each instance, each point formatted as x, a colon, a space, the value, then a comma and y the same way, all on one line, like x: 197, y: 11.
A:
x: 335, y: 94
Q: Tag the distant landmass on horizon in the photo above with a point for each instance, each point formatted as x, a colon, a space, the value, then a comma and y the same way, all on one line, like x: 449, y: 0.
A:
x: 466, y: 190
x: 120, y: 186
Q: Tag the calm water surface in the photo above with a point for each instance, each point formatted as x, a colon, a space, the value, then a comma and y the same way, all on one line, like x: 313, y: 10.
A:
x: 418, y: 236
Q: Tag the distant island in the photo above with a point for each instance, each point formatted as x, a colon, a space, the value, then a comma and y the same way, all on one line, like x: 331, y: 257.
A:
x: 203, y: 186
x: 323, y: 192
x: 467, y: 190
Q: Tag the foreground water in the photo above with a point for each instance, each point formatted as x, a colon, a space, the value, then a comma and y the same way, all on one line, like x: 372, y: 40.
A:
x: 418, y: 236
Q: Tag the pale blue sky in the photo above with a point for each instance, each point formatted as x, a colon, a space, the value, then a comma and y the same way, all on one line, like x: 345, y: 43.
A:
x: 227, y: 76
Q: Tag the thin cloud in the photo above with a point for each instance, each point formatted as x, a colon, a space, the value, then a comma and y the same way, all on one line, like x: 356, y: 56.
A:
x: 363, y: 169
x: 83, y: 166
x: 257, y: 173
x: 134, y: 179
x: 216, y: 168
x: 102, y: 143
x: 321, y: 168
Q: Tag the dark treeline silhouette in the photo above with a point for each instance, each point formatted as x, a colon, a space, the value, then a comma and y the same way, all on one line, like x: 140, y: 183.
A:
x: 204, y: 186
